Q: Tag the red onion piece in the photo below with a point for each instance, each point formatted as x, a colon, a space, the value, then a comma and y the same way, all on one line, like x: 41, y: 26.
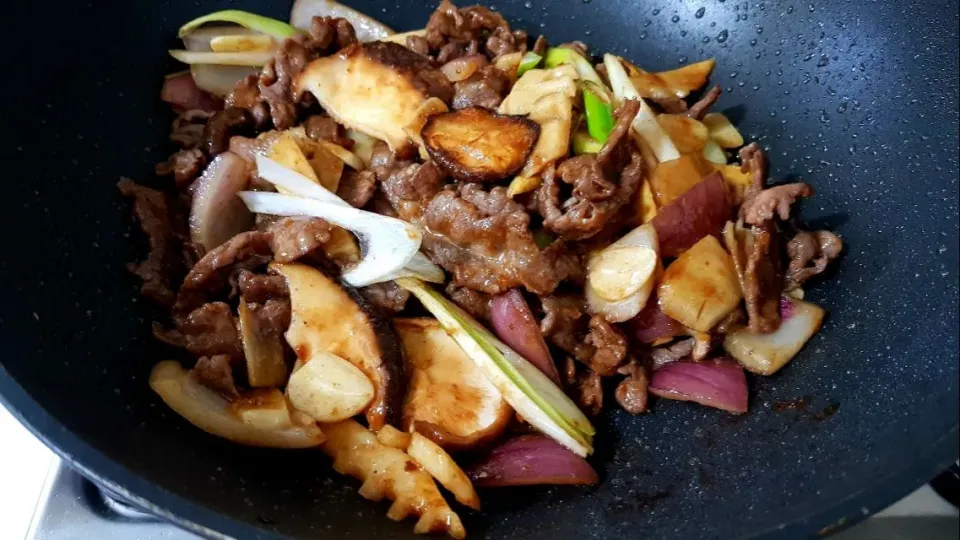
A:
x: 786, y: 308
x: 181, y: 91
x: 216, y: 213
x: 531, y: 460
x: 515, y: 324
x: 718, y: 383
x: 652, y: 323
x: 699, y: 211
x: 461, y: 68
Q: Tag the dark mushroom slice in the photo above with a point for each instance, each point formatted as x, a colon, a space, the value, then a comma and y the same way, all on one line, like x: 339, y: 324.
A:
x: 479, y: 145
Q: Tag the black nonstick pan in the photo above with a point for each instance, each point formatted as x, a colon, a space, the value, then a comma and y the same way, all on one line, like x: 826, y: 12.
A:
x: 859, y: 98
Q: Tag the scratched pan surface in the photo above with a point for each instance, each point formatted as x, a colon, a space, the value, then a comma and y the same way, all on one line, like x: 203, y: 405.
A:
x: 860, y: 98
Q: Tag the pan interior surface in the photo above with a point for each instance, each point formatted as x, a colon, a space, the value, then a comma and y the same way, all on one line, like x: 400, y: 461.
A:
x: 861, y: 101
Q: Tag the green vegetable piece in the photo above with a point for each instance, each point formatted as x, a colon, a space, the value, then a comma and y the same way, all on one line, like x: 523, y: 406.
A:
x: 245, y: 19
x: 583, y: 143
x: 599, y: 115
x: 529, y: 61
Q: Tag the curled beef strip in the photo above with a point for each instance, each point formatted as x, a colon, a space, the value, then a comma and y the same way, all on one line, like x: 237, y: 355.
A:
x: 584, y: 386
x: 388, y: 296
x: 592, y: 341
x: 163, y: 265
x: 324, y: 128
x: 211, y: 274
x: 763, y: 279
x: 761, y: 204
x: 260, y: 288
x: 246, y: 95
x: 485, y: 88
x: 610, y: 347
x: 818, y: 248
x: 208, y: 330
x: 661, y: 356
x: 292, y: 238
x: 187, y: 129
x: 221, y: 127
x: 184, y: 165
x: 483, y: 238
x: 357, y: 188
x: 475, y: 23
x: 631, y: 393
x: 700, y: 109
x: 601, y: 184
x: 473, y: 302
x: 216, y: 373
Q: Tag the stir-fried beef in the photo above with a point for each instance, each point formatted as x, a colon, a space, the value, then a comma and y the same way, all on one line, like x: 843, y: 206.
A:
x: 631, y: 393
x: 700, y: 109
x: 610, y: 347
x: 221, y: 126
x: 388, y: 296
x: 754, y: 161
x: 483, y: 238
x: 473, y: 302
x: 563, y: 326
x: 260, y: 288
x: 163, y: 265
x: 244, y: 251
x: 408, y: 186
x: 419, y: 45
x: 324, y: 128
x: 773, y: 201
x: 188, y: 128
x: 457, y: 49
x: 485, y: 88
x: 292, y: 239
x: 208, y: 330
x: 357, y: 188
x: 660, y: 356
x: 277, y: 78
x: 540, y: 46
x: 474, y: 23
x: 274, y: 316
x: 589, y: 392
x: 216, y: 373
x: 810, y: 253
x: 763, y: 279
x: 601, y: 184
x: 184, y: 165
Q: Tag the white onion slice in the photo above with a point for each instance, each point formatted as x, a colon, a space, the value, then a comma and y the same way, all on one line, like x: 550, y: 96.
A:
x: 253, y: 58
x: 645, y: 124
x: 218, y: 80
x: 388, y: 244
x: 215, y: 213
x: 418, y: 266
x: 366, y: 27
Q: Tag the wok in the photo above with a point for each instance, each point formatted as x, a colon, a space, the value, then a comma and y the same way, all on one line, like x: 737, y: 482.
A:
x: 860, y: 100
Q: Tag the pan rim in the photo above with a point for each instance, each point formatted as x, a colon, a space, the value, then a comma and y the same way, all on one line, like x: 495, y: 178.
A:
x: 95, y: 465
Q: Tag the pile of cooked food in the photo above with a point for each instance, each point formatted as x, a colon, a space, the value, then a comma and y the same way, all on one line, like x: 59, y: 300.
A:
x: 435, y: 255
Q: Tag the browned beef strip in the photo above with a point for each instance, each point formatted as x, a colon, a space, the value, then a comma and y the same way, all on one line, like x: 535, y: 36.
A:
x: 763, y: 279
x: 210, y: 329
x: 610, y: 347
x: 540, y: 46
x: 457, y: 49
x: 564, y: 325
x: 245, y: 94
x: 601, y: 184
x: 754, y: 161
x: 408, y: 186
x: 773, y: 201
x: 483, y: 238
x: 259, y: 288
x: 274, y: 316
x: 419, y: 45
x: 474, y: 23
x: 248, y: 250
x: 184, y: 165
x: 631, y: 394
x: 671, y: 104
x: 163, y: 265
x: 293, y: 238
x: 324, y: 128
x: 485, y: 88
x: 473, y: 302
x: 216, y: 373
x: 700, y: 109
x: 187, y: 129
x: 590, y: 392
x: 810, y: 253
x: 388, y: 296
x: 357, y: 188
x: 277, y: 78
x: 661, y: 356
x: 221, y: 126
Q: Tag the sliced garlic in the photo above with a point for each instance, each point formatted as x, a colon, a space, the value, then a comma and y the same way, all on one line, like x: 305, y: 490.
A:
x: 618, y: 272
x: 329, y: 388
